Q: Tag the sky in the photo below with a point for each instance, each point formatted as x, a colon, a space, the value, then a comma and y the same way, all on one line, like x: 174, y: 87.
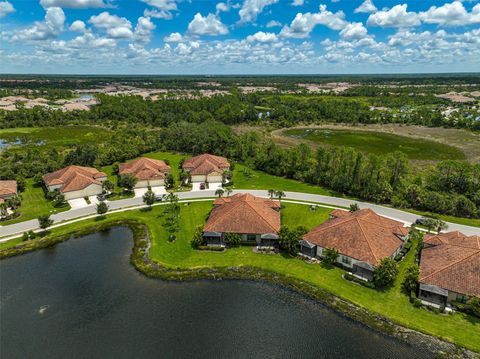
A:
x: 239, y: 36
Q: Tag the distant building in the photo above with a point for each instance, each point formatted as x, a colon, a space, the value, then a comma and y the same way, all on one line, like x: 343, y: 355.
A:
x: 256, y: 219
x: 362, y: 239
x: 147, y: 171
x: 206, y: 168
x: 449, y: 268
x: 75, y: 181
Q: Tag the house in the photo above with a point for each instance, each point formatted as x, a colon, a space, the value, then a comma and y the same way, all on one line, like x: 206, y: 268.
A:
x: 449, y: 268
x: 206, y: 168
x: 147, y: 171
x: 256, y: 219
x: 75, y: 181
x: 8, y: 189
x: 362, y: 239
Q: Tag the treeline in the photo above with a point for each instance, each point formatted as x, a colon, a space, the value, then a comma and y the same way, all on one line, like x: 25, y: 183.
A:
x: 451, y: 187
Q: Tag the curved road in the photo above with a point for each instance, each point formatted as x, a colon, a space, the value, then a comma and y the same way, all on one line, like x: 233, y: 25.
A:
x: 408, y: 218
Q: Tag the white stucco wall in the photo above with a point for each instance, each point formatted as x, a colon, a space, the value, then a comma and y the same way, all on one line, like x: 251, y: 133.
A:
x: 199, y: 178
x: 214, y: 178
x: 91, y: 190
x: 154, y: 183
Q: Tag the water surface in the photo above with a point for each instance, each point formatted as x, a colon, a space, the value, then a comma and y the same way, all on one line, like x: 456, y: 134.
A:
x: 83, y: 299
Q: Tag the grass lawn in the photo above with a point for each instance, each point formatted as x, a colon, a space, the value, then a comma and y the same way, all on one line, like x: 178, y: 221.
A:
x: 379, y: 143
x: 34, y: 204
x: 391, y: 303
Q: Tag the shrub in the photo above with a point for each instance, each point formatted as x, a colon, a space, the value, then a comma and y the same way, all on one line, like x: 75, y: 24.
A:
x: 352, y: 278
x: 330, y: 256
x: 232, y: 239
x: 417, y: 303
x: 198, y: 239
x: 473, y: 306
x: 410, y: 281
x: 385, y: 274
x: 211, y: 248
x: 172, y: 237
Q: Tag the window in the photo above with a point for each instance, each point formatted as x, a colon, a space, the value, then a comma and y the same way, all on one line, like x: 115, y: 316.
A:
x: 461, y: 298
x: 251, y: 237
x: 346, y: 260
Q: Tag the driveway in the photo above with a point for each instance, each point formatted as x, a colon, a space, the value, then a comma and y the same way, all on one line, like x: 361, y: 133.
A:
x: 213, y: 186
x: 196, y: 186
x: 139, y: 192
x: 77, y: 203
x: 159, y: 190
x: 93, y: 199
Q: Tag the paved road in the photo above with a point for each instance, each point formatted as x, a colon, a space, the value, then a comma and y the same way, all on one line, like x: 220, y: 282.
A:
x: 406, y: 217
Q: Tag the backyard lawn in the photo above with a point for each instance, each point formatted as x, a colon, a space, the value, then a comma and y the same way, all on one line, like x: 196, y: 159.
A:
x: 34, y: 204
x: 391, y: 303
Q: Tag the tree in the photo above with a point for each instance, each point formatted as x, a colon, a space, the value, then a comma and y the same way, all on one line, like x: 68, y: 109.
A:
x: 232, y: 239
x: 169, y: 181
x: 473, y: 306
x: 21, y: 184
x: 330, y: 256
x: 13, y: 202
x: 219, y: 192
x: 385, y: 273
x: 45, y: 221
x: 198, y: 238
x: 59, y: 199
x: 102, y: 208
x: 410, y: 281
x: 354, y: 207
x: 149, y: 198
x: 3, y: 210
x: 435, y: 223
x: 108, y: 186
x: 289, y: 239
x: 271, y: 193
x: 280, y: 195
x: 228, y: 191
x: 127, y: 181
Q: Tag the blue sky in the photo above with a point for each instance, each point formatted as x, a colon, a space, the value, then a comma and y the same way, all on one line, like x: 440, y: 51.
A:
x: 238, y: 37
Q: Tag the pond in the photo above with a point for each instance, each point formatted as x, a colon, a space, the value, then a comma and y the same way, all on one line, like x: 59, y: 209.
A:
x: 83, y: 299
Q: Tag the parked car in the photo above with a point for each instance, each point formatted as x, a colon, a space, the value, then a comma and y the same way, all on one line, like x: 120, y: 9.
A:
x: 159, y: 197
x: 202, y: 186
x: 421, y: 221
x: 101, y: 197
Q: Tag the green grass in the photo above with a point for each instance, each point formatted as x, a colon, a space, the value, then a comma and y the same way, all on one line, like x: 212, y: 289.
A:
x: 391, y: 303
x: 34, y: 204
x: 55, y: 137
x: 379, y: 143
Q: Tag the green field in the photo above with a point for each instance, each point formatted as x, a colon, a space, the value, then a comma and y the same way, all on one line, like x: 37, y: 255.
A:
x: 391, y: 303
x: 378, y: 143
x: 54, y: 137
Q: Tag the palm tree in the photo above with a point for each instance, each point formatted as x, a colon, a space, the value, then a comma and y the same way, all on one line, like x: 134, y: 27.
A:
x: 280, y: 195
x: 271, y: 193
x: 219, y: 192
x: 228, y: 191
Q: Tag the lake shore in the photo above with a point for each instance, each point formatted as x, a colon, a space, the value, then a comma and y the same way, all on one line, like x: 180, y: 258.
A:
x: 140, y: 258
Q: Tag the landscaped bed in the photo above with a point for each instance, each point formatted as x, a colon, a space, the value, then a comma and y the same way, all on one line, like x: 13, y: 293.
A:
x: 392, y: 303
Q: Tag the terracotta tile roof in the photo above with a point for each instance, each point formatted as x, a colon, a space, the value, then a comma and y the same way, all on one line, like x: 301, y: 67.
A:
x: 452, y: 261
x: 362, y: 235
x: 244, y: 213
x: 206, y: 164
x: 8, y: 188
x: 145, y: 168
x: 73, y: 178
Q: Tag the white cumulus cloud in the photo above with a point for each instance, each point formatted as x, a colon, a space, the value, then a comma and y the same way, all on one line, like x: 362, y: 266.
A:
x: 298, y: 2
x: 304, y: 23
x: 74, y: 4
x: 251, y: 8
x: 261, y: 36
x: 208, y: 25
x: 116, y: 27
x: 366, y: 7
x: 354, y: 31
x: 173, y: 37
x: 78, y: 26
x: 50, y: 28
x: 397, y: 16
x: 451, y: 14
x: 274, y: 23
x: 6, y: 8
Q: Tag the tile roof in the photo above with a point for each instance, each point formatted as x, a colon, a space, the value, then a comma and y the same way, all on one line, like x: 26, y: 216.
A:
x: 452, y: 261
x: 145, y: 168
x: 8, y: 187
x: 206, y: 164
x: 362, y: 235
x: 73, y: 178
x: 244, y: 213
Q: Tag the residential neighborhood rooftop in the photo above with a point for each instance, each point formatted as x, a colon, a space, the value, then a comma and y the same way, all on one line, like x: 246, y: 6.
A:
x: 244, y: 213
x: 362, y: 235
x: 452, y: 261
x: 8, y: 188
x: 73, y: 178
x: 206, y: 164
x: 145, y: 168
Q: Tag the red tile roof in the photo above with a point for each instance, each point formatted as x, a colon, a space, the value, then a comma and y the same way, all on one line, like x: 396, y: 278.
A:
x: 452, y: 261
x: 206, y: 164
x: 362, y: 235
x: 8, y: 188
x: 145, y: 169
x: 244, y: 213
x: 73, y: 178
